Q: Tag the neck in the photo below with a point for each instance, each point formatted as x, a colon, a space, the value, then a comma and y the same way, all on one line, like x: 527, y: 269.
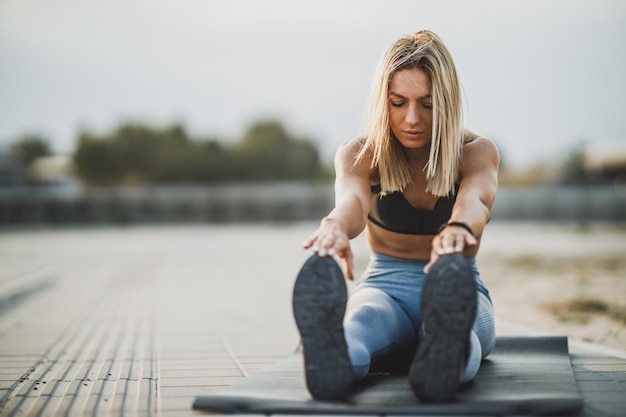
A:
x: 417, y: 157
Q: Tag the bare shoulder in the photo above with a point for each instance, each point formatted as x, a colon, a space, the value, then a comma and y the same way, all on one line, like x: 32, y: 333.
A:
x: 352, y: 156
x: 480, y: 149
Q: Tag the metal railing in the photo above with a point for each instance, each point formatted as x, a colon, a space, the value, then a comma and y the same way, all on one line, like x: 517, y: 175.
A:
x: 294, y: 201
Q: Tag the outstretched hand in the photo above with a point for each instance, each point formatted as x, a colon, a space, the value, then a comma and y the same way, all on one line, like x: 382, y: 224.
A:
x: 329, y: 240
x: 452, y: 239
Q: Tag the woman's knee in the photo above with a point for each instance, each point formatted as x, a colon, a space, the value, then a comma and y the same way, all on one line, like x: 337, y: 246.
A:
x: 368, y: 303
x: 376, y: 321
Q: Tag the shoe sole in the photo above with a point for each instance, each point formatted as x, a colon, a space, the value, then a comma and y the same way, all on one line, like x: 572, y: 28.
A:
x: 319, y: 305
x: 448, y: 310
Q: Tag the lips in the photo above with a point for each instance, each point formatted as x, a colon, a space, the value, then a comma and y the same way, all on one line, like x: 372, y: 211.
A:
x: 413, y: 133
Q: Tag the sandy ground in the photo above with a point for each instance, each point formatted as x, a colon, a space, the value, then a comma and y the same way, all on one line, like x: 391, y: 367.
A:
x: 531, y: 269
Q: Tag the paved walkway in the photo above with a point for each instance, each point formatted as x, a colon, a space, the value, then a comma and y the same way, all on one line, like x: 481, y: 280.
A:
x: 138, y: 321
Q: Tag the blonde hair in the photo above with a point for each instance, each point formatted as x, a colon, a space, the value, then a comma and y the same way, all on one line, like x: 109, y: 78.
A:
x: 425, y: 51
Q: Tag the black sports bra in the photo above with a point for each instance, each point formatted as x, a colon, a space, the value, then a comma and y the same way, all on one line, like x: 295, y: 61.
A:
x: 396, y: 214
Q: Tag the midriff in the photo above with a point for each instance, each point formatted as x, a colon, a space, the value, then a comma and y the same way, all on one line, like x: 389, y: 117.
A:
x: 416, y: 247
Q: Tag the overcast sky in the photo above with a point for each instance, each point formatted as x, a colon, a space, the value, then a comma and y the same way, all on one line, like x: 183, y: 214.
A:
x: 538, y: 76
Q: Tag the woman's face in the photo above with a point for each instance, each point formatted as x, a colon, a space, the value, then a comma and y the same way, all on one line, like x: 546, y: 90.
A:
x: 410, y: 108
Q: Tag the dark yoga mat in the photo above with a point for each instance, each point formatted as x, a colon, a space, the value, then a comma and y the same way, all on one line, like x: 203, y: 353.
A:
x: 523, y: 376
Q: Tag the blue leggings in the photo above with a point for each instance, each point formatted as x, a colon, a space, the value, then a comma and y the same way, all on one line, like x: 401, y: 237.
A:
x: 383, y: 314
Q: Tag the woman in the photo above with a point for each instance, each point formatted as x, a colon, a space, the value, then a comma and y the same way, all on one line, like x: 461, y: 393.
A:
x: 421, y: 186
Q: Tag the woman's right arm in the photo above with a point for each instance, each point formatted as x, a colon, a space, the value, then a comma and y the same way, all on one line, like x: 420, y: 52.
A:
x: 352, y: 203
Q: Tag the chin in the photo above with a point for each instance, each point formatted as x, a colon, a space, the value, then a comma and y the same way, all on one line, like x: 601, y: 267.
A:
x: 414, y: 144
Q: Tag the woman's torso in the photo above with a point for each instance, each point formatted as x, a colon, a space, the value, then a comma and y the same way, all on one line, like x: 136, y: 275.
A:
x: 403, y: 224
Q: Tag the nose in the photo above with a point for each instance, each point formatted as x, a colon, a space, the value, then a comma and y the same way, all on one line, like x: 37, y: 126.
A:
x: 412, y: 116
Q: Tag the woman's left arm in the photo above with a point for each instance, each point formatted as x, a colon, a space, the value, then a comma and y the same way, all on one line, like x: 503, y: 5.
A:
x: 477, y: 192
x: 478, y: 186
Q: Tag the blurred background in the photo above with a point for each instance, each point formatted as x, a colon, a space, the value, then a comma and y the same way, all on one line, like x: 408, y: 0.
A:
x: 142, y: 111
x: 161, y: 163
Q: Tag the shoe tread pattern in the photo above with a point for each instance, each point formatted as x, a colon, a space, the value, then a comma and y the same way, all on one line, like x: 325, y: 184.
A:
x: 319, y: 303
x: 448, y: 310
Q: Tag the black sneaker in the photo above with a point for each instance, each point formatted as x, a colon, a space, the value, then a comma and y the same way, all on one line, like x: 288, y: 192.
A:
x: 448, y: 310
x: 319, y: 305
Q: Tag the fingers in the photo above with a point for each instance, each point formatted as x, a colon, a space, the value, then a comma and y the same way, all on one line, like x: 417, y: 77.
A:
x: 321, y: 246
x: 328, y: 240
x: 449, y: 243
x: 310, y: 241
x: 348, y: 262
x: 452, y: 242
x: 326, y: 247
x: 433, y: 259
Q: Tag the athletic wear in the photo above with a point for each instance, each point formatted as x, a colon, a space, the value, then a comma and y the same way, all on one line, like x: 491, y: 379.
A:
x: 384, y: 313
x: 394, y: 213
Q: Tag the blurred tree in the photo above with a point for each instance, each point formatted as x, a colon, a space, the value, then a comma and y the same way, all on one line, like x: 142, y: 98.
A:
x: 139, y: 154
x: 302, y: 160
x: 572, y: 170
x: 30, y: 147
x: 96, y: 163
x: 132, y: 154
x: 265, y: 136
x: 269, y: 152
